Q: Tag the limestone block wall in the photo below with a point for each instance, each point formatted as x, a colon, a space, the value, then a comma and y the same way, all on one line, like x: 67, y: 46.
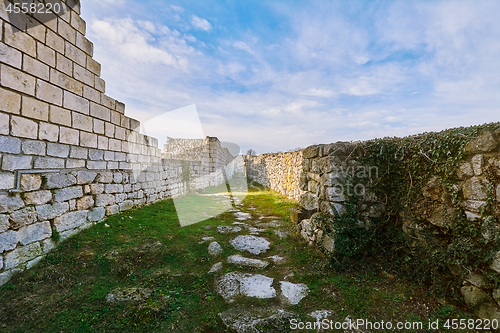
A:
x: 69, y: 156
x: 278, y: 171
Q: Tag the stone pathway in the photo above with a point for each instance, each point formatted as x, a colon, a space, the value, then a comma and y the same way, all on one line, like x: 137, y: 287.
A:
x: 238, y: 286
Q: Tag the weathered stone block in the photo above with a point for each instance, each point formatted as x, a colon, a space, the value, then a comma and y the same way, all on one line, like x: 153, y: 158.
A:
x: 19, y: 40
x: 105, y: 177
x: 22, y: 254
x: 16, y: 162
x: 75, y: 54
x: 10, y: 102
x: 477, y: 164
x: 97, y: 214
x: 85, y: 177
x: 60, y: 116
x: 49, y: 212
x: 59, y: 180
x: 82, y: 74
x: 66, y: 31
x: 495, y: 265
x: 473, y: 296
x: 475, y: 189
x: 95, y: 154
x: 57, y: 150
x: 111, y: 210
x: 94, y: 67
x: 4, y: 124
x: 33, y: 233
x: 17, y: 80
x: 35, y: 68
x: 37, y: 197
x: 23, y: 127
x: 91, y: 94
x: 482, y: 144
x: 113, y: 188
x: 78, y: 152
x: 30, y: 182
x: 88, y: 140
x: 68, y: 193
x: 70, y: 220
x: 66, y: 82
x: 64, y: 65
x: 10, y: 145
x: 46, y: 54
x: 33, y: 108
x: 4, y: 223
x: 10, y: 55
x: 96, y: 165
x: 23, y: 217
x: 7, y: 180
x: 100, y: 111
x: 100, y: 84
x: 96, y: 189
x: 8, y: 240
x: 126, y: 205
x: 48, y: 132
x: 34, y: 147
x: 102, y: 142
x: 76, y: 103
x: 332, y: 208
x: 69, y: 136
x: 85, y: 203
x: 82, y: 122
x: 98, y: 126
x: 49, y: 163
x: 104, y: 200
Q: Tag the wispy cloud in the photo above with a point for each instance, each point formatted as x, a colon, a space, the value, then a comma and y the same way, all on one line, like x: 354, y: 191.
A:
x: 201, y: 23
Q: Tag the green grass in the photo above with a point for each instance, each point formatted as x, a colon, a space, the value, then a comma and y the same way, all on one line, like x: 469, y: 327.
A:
x: 147, y: 248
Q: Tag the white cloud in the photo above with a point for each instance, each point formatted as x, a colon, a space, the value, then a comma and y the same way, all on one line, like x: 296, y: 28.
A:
x: 201, y: 23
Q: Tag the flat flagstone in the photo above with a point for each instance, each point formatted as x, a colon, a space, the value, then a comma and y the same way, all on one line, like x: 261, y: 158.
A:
x: 242, y: 216
x: 233, y: 284
x: 227, y: 229
x: 247, y: 319
x: 214, y: 249
x: 281, y: 233
x: 205, y: 239
x: 250, y: 243
x: 276, y: 258
x: 216, y: 267
x: 293, y: 292
x: 248, y: 262
x: 273, y: 223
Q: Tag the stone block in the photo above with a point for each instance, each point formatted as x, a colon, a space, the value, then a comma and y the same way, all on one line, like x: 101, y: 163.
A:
x: 49, y: 163
x: 46, y: 54
x: 33, y: 233
x: 97, y: 214
x: 66, y: 31
x: 85, y: 203
x: 105, y: 177
x: 99, y: 111
x: 484, y: 143
x: 88, y: 139
x: 68, y: 193
x: 34, y: 147
x: 96, y: 165
x: 23, y: 217
x: 120, y: 107
x: 55, y: 41
x: 10, y: 145
x: 35, y: 109
x: 10, y: 55
x: 91, y: 94
x: 48, y: 132
x: 66, y: 82
x: 75, y: 54
x: 49, y: 212
x: 96, y: 154
x: 102, y: 142
x: 69, y: 136
x: 20, y: 40
x: 113, y: 209
x: 117, y: 177
x: 85, y: 177
x: 4, y: 123
x: 23, y: 127
x: 104, y: 200
x: 4, y: 223
x: 34, y: 29
x: 48, y: 92
x: 64, y: 65
x: 120, y: 133
x: 82, y: 74
x: 98, y: 126
x: 126, y: 205
x: 22, y: 254
x: 16, y: 162
x: 72, y: 164
x: 36, y: 68
x: 109, y: 156
x: 17, y: 80
x: 477, y: 164
x: 473, y: 296
x: 113, y: 188
x: 59, y: 180
x: 78, y: 152
x: 30, y: 182
x: 94, y: 67
x: 70, y: 220
x: 96, y: 189
x: 76, y: 103
x: 475, y: 189
x: 116, y: 118
x: 8, y: 240
x: 115, y: 145
x: 57, y: 150
x: 7, y: 180
x: 37, y: 197
x: 10, y: 102
x: 100, y: 84
x: 85, y: 45
x: 113, y: 165
x: 120, y: 197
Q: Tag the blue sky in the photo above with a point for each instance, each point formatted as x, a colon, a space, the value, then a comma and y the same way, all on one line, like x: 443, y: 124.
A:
x: 276, y: 75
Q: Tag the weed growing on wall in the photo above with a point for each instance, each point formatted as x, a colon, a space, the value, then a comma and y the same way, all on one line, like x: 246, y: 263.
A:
x: 435, y: 257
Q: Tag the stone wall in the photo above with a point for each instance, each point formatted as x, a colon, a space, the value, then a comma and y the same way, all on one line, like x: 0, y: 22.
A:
x: 278, y: 171
x: 69, y: 156
x: 330, y: 174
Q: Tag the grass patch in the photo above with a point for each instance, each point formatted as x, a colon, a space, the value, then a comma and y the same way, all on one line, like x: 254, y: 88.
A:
x: 147, y: 248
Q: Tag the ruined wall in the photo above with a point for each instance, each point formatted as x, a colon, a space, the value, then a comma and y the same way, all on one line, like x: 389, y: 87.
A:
x: 69, y: 156
x: 278, y: 171
x: 416, y: 185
